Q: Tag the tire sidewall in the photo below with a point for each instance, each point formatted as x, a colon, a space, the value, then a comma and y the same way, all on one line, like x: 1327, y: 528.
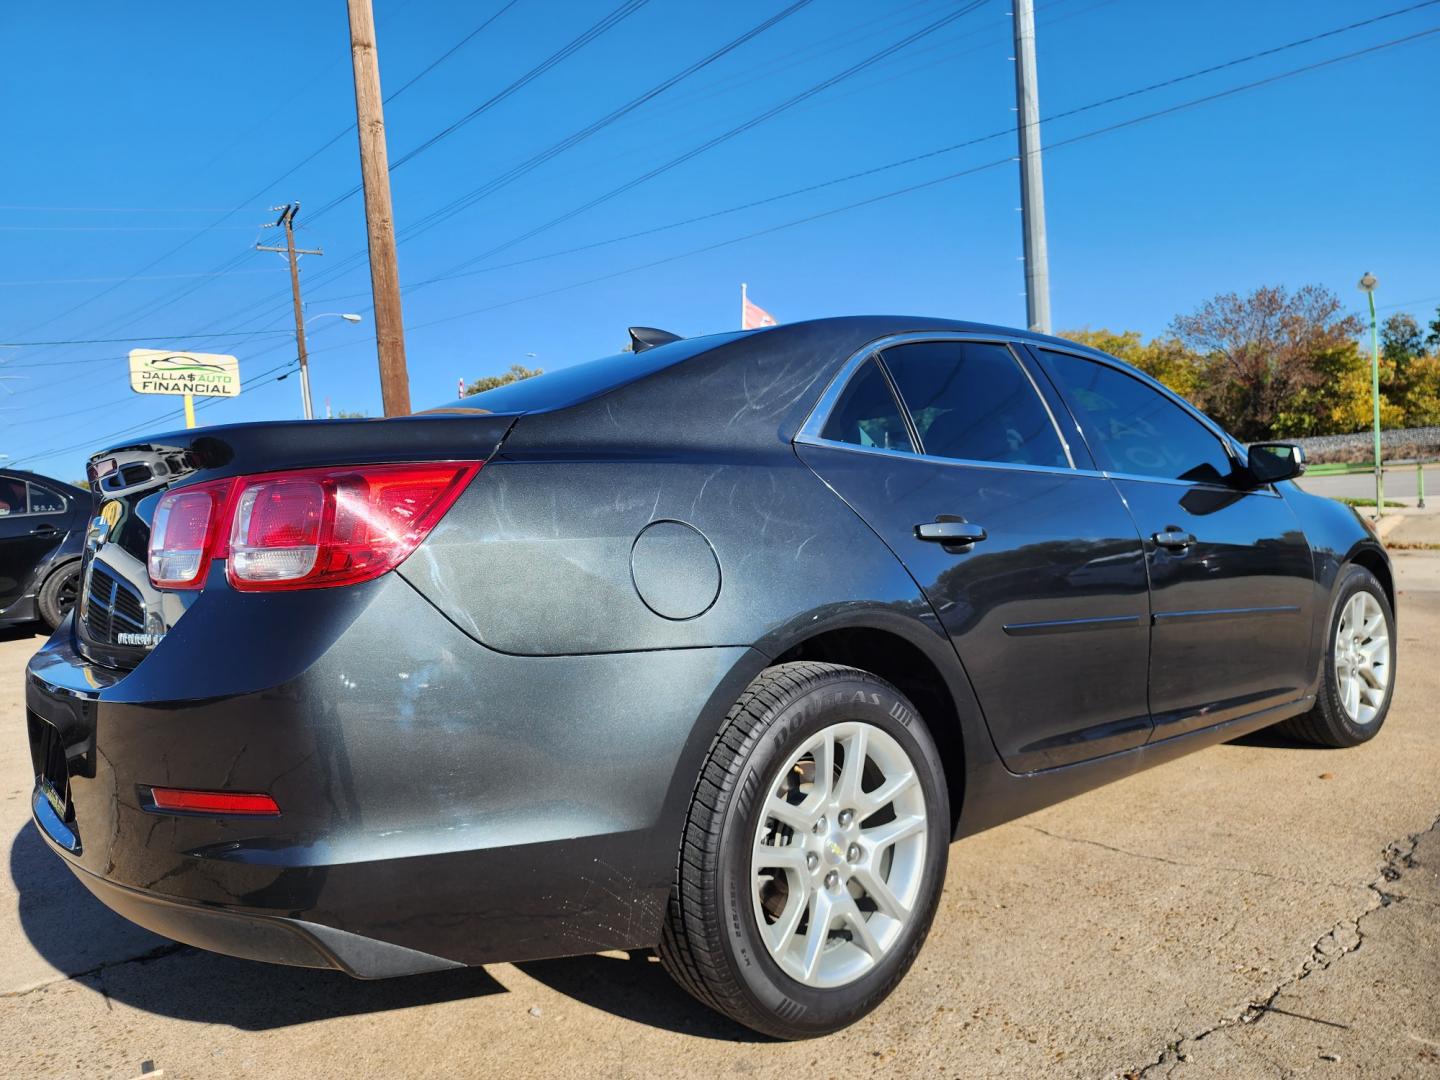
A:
x: 46, y: 598
x: 1355, y: 579
x: 841, y: 698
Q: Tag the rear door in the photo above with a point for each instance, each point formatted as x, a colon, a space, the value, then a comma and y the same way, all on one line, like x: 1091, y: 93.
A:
x: 1033, y: 566
x: 1231, y: 574
x: 32, y: 524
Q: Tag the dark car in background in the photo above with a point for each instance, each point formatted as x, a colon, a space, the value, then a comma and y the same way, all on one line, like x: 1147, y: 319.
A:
x: 42, y: 536
x: 714, y: 646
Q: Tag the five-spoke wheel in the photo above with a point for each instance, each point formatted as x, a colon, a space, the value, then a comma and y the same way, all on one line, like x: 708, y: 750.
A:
x: 838, y: 854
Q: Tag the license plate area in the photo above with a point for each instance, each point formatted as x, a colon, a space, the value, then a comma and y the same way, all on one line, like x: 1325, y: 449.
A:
x: 52, y: 772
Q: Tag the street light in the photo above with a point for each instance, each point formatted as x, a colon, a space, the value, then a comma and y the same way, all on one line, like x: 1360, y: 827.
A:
x: 347, y: 316
x: 1367, y: 286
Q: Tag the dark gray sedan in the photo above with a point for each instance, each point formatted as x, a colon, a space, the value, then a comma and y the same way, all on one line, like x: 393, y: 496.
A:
x: 713, y: 646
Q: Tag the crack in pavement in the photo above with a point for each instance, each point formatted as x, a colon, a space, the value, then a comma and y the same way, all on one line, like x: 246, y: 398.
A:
x: 1339, y: 941
x: 157, y: 953
x: 1192, y: 865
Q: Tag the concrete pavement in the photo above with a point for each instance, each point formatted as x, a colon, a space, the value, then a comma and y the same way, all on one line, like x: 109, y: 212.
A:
x: 1257, y: 909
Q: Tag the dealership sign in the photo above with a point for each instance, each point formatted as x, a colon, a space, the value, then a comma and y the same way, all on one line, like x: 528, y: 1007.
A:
x: 159, y: 371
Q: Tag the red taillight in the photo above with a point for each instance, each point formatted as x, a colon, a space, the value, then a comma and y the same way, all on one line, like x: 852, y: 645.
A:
x: 184, y: 534
x: 213, y: 802
x: 304, y: 529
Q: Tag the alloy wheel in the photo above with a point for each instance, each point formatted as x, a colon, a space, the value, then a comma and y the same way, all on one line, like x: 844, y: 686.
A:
x: 1362, y: 658
x: 839, y: 854
x: 69, y: 590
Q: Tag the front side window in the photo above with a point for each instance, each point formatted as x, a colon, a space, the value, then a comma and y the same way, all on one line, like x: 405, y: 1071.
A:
x: 971, y: 400
x: 867, y: 414
x: 1134, y: 429
x: 45, y: 501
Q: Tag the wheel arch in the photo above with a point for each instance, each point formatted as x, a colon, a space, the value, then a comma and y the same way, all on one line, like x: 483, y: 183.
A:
x: 1376, y: 561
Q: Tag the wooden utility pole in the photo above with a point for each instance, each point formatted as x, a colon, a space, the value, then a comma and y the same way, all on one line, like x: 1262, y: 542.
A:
x: 287, y: 220
x: 379, y: 220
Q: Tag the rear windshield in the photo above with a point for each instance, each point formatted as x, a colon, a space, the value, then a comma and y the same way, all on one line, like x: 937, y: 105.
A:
x: 581, y: 382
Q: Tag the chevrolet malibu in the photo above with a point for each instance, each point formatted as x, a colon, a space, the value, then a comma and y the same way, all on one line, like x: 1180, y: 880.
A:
x: 714, y: 646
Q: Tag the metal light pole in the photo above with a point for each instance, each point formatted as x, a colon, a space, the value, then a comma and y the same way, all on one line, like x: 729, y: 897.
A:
x: 1032, y: 185
x: 349, y: 317
x: 1367, y: 286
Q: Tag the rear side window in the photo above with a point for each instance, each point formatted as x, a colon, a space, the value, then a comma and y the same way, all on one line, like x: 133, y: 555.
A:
x: 12, y: 496
x: 867, y: 414
x: 1133, y: 428
x: 972, y: 400
x: 45, y: 501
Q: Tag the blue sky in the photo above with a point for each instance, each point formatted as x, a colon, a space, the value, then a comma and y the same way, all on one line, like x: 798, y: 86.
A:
x: 134, y: 130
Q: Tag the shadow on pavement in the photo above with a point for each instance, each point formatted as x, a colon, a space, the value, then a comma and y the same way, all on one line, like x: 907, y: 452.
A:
x: 81, y: 937
x: 1271, y: 738
x: 23, y: 632
x: 84, y: 939
x: 636, y: 988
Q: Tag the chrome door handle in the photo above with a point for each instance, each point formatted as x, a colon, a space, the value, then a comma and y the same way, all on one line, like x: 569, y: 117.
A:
x: 1173, y: 538
x: 957, y: 537
x: 44, y: 530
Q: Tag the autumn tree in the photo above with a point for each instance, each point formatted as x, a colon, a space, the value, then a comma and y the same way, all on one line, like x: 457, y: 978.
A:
x: 490, y: 382
x: 1265, y: 356
x: 1164, y: 359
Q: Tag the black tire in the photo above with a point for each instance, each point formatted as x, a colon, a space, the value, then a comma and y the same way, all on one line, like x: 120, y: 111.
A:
x: 711, y: 943
x: 57, y: 595
x: 1329, y: 723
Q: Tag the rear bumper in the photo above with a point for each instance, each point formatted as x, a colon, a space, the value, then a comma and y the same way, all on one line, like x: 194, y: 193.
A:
x: 268, y: 938
x: 441, y: 804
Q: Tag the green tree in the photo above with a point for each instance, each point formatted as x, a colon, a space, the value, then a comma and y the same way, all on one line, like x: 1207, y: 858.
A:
x: 1401, y: 339
x: 1433, y: 338
x: 1264, y: 358
x: 490, y: 382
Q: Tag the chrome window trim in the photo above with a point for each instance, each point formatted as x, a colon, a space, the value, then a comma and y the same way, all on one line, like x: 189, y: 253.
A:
x: 809, y: 432
x: 970, y: 463
x: 1059, y: 470
x: 814, y: 423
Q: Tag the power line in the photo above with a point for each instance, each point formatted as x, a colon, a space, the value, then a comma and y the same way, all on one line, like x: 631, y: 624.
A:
x: 252, y: 198
x: 614, y: 18
x: 925, y: 184
x: 443, y: 213
x: 913, y: 159
x: 1072, y: 140
x: 145, y: 337
x: 355, y: 259
x: 717, y: 140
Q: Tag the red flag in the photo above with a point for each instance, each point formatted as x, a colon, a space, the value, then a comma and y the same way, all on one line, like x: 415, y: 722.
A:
x: 753, y: 316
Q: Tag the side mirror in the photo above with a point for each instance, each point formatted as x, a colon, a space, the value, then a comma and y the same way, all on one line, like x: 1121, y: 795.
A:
x: 1271, y: 462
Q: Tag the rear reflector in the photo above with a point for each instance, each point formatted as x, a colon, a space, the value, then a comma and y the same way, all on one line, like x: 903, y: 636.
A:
x: 213, y: 802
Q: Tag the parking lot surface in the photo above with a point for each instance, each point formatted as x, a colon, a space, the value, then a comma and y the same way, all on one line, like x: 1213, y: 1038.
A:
x: 1257, y: 909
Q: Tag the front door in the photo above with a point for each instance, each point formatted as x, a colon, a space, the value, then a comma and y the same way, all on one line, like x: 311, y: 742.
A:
x: 1033, y: 567
x: 1231, y: 575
